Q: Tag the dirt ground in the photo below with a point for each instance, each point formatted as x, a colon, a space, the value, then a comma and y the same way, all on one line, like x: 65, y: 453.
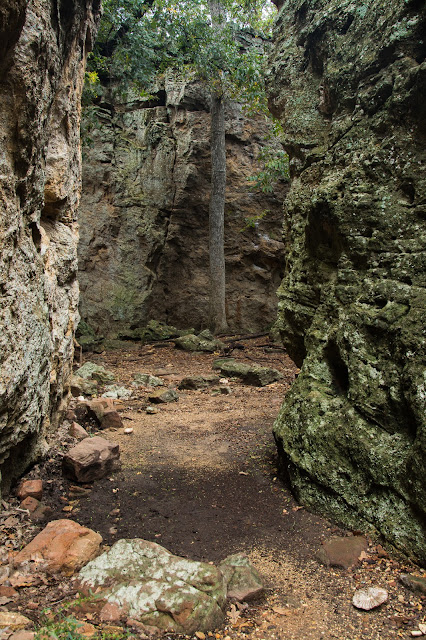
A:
x: 200, y: 478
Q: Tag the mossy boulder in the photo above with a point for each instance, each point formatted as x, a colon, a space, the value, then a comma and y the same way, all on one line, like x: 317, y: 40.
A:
x: 346, y: 81
x: 249, y: 374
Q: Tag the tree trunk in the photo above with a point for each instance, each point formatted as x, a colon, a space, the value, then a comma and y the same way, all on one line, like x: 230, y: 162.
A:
x: 217, y: 314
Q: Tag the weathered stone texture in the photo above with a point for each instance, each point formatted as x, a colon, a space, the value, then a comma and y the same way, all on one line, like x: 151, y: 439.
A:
x: 42, y: 51
x: 144, y: 216
x: 348, y: 81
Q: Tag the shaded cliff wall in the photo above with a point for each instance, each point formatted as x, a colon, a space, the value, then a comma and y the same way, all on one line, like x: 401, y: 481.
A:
x: 42, y: 49
x: 348, y: 81
x: 143, y: 250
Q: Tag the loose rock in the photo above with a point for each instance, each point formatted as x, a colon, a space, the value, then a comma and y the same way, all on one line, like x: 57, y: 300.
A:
x: 342, y: 552
x: 63, y: 546
x: 159, y: 397
x: 414, y: 583
x: 30, y: 488
x: 242, y: 579
x: 255, y: 375
x: 92, y: 371
x: 13, y: 620
x: 91, y: 459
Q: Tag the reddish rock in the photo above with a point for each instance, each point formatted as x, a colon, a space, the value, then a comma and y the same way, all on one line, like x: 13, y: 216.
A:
x: 8, y: 592
x: 30, y: 503
x: 77, y: 431
x: 30, y: 488
x: 63, y: 546
x: 342, y: 552
x: 110, y: 612
x: 111, y: 420
x: 22, y: 635
x: 91, y: 459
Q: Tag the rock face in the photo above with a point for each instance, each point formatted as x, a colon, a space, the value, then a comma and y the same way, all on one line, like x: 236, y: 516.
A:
x: 144, y: 216
x: 348, y: 81
x: 42, y: 54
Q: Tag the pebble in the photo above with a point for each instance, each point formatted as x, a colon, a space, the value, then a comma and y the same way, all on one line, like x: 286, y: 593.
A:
x: 128, y: 430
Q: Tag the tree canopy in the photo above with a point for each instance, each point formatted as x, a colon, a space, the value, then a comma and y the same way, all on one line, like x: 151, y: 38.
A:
x: 139, y: 39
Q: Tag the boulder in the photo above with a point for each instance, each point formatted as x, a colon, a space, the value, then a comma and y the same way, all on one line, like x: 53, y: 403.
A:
x: 249, y: 374
x: 158, y: 397
x: 63, y: 546
x: 352, y: 429
x: 92, y: 371
x: 342, y: 552
x: 157, y: 588
x: 91, y: 459
x: 243, y: 582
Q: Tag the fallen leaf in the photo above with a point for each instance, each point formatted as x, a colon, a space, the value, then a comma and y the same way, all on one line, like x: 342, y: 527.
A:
x: 5, y: 600
x: 68, y: 508
x: 200, y: 635
x: 422, y: 628
x: 233, y: 614
x: 297, y: 508
x: 243, y: 473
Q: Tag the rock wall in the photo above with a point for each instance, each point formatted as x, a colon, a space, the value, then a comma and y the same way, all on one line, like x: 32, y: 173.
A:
x: 143, y: 250
x: 348, y: 81
x: 42, y: 49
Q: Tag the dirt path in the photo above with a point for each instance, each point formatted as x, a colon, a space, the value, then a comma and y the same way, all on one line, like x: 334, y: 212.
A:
x: 199, y: 477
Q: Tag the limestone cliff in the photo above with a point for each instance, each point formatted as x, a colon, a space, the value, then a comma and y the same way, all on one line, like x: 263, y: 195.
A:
x: 42, y: 49
x: 348, y: 80
x: 144, y: 215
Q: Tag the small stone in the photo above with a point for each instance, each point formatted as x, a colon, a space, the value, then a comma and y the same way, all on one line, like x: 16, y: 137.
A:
x: 414, y: 583
x: 151, y: 410
x: 147, y: 380
x: 159, y: 397
x: 369, y: 598
x: 416, y: 633
x: 42, y: 513
x: 242, y: 579
x: 200, y: 635
x: 343, y: 552
x: 13, y: 620
x: 30, y: 488
x: 30, y: 503
x: 111, y: 420
x: 8, y: 592
x: 110, y: 612
x: 77, y: 431
x: 128, y: 430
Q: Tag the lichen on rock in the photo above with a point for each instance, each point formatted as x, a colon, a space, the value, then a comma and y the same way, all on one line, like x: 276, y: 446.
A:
x: 346, y: 80
x: 42, y: 51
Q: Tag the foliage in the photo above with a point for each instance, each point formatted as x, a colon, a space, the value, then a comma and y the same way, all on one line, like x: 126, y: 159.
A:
x: 275, y: 167
x: 140, y: 39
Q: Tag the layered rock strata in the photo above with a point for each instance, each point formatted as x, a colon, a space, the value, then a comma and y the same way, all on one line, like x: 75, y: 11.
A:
x: 42, y: 51
x: 348, y: 81
x: 143, y: 252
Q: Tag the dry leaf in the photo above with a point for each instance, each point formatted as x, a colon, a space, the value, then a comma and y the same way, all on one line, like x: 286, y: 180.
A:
x: 233, y: 614
x: 297, y: 508
x: 422, y: 628
x: 243, y: 473
x: 200, y: 635
x: 68, y: 508
x: 363, y: 556
x: 5, y: 600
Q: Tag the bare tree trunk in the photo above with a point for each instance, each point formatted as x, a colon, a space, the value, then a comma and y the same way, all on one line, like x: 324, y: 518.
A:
x: 217, y: 312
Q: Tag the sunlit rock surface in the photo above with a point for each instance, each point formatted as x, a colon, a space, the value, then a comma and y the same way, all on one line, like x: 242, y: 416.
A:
x: 348, y: 80
x: 42, y: 49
